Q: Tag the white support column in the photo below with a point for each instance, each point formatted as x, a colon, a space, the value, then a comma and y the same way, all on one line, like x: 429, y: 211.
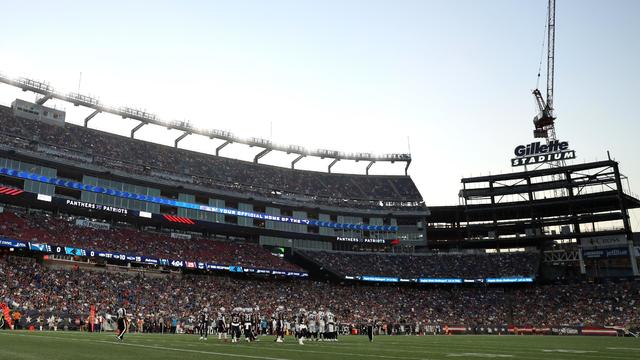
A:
x: 632, y: 259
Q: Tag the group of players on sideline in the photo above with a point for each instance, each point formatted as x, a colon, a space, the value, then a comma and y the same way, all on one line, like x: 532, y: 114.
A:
x: 316, y: 325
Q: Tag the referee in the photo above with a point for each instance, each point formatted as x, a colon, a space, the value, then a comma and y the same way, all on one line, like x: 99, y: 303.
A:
x: 122, y: 323
x: 370, y: 330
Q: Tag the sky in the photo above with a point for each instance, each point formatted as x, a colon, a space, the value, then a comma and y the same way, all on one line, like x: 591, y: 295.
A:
x: 449, y: 81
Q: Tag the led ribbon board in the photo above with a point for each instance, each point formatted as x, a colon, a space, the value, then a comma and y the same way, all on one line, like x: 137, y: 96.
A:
x: 440, y: 281
x: 181, y: 204
x: 73, y: 251
x: 508, y: 280
x: 379, y: 278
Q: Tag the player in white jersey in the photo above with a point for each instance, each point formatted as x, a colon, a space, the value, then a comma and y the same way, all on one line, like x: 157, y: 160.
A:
x: 221, y: 324
x: 278, y: 324
x: 321, y: 324
x: 313, y: 327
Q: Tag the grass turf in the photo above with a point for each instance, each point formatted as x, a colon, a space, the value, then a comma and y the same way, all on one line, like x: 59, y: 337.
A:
x: 20, y: 345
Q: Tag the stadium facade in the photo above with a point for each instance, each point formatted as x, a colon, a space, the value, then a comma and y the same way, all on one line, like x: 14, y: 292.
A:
x: 575, y: 216
x: 76, y: 170
x: 70, y: 194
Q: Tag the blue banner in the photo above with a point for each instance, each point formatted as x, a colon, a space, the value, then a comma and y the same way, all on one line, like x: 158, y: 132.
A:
x: 39, y: 247
x: 509, y: 280
x: 605, y: 253
x: 181, y: 204
x: 379, y: 278
x: 72, y: 251
x: 440, y: 281
x: 513, y: 279
x: 10, y: 243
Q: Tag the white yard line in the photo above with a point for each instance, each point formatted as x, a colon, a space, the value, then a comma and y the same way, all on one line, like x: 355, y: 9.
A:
x: 66, y: 338
x: 319, y: 347
x: 568, y: 351
x: 481, y: 355
x: 335, y: 353
x: 623, y: 348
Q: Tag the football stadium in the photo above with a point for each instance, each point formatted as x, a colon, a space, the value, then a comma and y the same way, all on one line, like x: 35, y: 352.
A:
x: 113, y: 245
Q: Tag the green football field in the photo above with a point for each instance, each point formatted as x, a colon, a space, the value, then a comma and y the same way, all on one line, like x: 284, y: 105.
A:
x: 73, y: 345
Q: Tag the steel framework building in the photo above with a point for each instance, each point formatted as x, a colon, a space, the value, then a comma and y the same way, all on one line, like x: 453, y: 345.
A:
x: 554, y: 209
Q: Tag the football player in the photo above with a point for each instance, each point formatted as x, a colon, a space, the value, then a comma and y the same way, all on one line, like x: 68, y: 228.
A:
x: 235, y: 325
x: 221, y: 324
x: 279, y: 324
x: 204, y: 324
x: 321, y: 324
x: 332, y: 331
x: 313, y: 328
x: 248, y: 324
x: 302, y: 326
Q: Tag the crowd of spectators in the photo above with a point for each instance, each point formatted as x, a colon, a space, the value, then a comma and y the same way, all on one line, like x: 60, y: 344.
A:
x: 146, y: 158
x: 40, y: 290
x: 468, y: 266
x: 40, y: 227
x: 62, y: 230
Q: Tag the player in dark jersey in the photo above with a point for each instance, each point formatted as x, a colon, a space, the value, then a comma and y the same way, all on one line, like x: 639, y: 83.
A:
x: 247, y: 320
x: 122, y: 324
x: 235, y: 325
x: 302, y: 326
x: 204, y: 324
x: 256, y: 322
x: 221, y: 324
x: 332, y: 330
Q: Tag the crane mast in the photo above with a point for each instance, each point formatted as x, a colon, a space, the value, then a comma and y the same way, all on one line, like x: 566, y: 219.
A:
x: 544, y: 122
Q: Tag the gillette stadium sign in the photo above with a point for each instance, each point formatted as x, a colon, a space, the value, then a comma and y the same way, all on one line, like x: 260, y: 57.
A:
x: 536, y: 153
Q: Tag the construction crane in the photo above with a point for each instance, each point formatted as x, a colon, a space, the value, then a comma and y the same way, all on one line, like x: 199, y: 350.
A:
x: 544, y: 122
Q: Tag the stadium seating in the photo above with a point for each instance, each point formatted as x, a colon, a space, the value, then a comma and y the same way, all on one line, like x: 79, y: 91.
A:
x: 44, y: 228
x: 435, y: 266
x: 141, y: 157
x: 39, y: 290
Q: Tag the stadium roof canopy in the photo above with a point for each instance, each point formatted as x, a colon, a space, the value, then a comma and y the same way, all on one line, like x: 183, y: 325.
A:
x: 146, y: 118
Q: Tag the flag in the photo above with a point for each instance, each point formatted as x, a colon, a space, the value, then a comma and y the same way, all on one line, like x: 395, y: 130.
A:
x: 7, y: 315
